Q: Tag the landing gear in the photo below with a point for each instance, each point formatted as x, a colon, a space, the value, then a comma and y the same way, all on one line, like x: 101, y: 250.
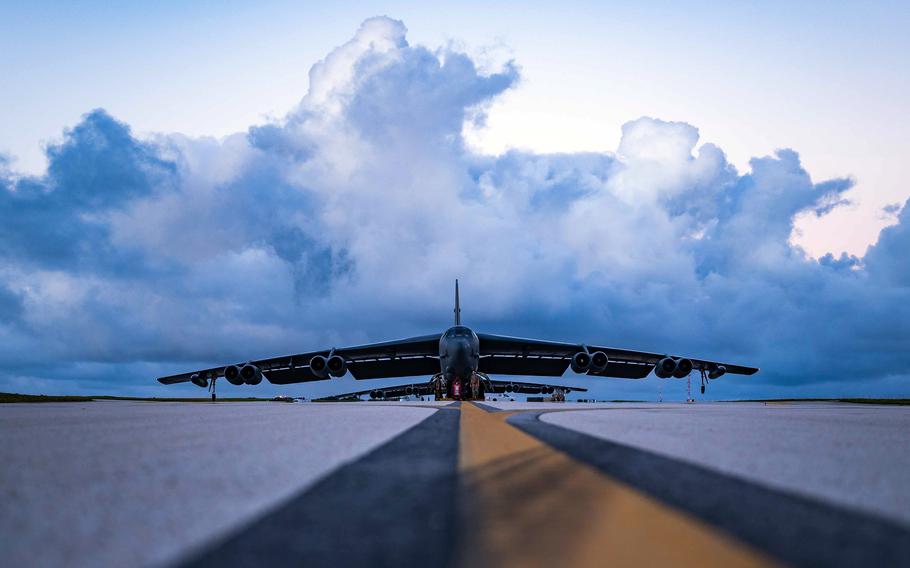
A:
x: 461, y: 388
x: 212, y: 389
x: 689, y: 399
x: 484, y: 386
x: 439, y: 387
x: 475, y: 387
x: 704, y: 381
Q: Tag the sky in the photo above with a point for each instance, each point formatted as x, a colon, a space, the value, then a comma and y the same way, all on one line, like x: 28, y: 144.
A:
x: 190, y: 184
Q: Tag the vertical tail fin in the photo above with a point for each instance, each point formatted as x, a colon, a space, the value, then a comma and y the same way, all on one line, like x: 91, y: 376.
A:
x: 457, y: 305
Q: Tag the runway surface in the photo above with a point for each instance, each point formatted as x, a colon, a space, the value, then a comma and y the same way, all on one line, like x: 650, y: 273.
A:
x: 127, y: 483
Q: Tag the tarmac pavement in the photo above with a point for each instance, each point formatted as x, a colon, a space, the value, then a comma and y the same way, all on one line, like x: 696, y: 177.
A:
x: 112, y: 483
x: 851, y: 454
x: 115, y: 483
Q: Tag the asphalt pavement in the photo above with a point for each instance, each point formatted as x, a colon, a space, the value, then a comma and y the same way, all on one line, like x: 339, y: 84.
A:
x: 147, y: 483
x: 850, y: 454
x: 110, y: 483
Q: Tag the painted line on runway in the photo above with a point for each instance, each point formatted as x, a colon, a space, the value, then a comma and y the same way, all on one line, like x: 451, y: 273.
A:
x: 795, y: 529
x: 526, y: 503
x: 475, y: 485
x: 490, y: 408
x: 396, y: 506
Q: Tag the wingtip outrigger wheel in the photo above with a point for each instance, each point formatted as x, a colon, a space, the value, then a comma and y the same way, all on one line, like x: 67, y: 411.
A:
x: 212, y: 388
x: 704, y: 381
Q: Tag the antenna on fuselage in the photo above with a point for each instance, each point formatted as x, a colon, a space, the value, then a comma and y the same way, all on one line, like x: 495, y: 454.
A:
x: 457, y: 305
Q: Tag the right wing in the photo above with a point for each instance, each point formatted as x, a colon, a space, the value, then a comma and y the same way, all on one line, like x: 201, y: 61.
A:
x: 500, y: 354
x: 398, y: 358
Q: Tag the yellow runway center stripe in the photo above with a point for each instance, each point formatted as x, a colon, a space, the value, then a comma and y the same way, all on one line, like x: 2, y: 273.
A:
x: 527, y: 504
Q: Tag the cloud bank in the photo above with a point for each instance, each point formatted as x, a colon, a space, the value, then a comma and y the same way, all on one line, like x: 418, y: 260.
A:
x: 348, y: 220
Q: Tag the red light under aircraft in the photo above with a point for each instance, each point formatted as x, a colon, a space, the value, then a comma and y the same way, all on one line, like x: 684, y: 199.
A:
x: 460, y: 363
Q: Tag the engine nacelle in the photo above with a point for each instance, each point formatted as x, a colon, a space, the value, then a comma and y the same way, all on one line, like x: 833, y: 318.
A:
x: 251, y: 374
x: 510, y: 387
x: 409, y: 390
x: 581, y: 362
x: 199, y: 380
x: 337, y: 366
x: 717, y: 372
x: 232, y: 374
x: 318, y: 365
x: 599, y: 362
x: 683, y: 368
x: 665, y: 368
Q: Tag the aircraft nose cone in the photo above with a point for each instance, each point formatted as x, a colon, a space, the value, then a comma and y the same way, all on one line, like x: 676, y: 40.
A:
x: 459, y: 356
x: 461, y: 348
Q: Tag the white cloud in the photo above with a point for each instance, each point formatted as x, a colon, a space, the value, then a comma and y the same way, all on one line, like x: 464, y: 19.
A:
x: 348, y: 219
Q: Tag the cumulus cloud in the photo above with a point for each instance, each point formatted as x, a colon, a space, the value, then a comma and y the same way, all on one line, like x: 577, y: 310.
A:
x: 348, y: 219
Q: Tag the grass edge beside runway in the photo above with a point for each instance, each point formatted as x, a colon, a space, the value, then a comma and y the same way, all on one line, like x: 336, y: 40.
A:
x: 6, y: 397
x: 883, y: 401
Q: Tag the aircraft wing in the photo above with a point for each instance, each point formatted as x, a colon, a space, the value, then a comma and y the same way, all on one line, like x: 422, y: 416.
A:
x: 504, y: 355
x: 529, y: 388
x: 398, y: 358
x: 427, y: 389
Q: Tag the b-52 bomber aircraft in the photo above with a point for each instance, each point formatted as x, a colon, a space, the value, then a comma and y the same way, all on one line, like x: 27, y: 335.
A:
x: 460, y: 363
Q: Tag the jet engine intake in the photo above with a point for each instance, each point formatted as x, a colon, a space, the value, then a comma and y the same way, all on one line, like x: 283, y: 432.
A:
x: 665, y: 368
x: 599, y: 362
x: 251, y: 374
x: 232, y: 374
x: 337, y: 366
x: 581, y: 362
x: 717, y: 372
x: 683, y: 368
x: 318, y: 365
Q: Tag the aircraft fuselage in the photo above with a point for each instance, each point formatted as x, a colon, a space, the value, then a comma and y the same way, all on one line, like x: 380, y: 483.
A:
x: 459, y: 358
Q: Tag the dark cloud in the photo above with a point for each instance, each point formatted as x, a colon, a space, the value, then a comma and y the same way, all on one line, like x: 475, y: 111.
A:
x: 11, y: 308
x: 889, y: 259
x: 58, y: 220
x: 348, y: 219
x: 275, y: 140
x: 892, y: 209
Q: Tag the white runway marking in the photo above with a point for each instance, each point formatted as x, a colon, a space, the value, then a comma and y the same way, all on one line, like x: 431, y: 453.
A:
x: 848, y: 454
x: 127, y: 483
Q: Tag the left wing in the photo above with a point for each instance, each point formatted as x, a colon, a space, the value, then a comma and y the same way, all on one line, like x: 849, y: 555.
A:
x: 505, y: 355
x: 398, y: 358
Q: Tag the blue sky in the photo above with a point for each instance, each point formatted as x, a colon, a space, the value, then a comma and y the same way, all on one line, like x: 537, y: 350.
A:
x: 228, y: 202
